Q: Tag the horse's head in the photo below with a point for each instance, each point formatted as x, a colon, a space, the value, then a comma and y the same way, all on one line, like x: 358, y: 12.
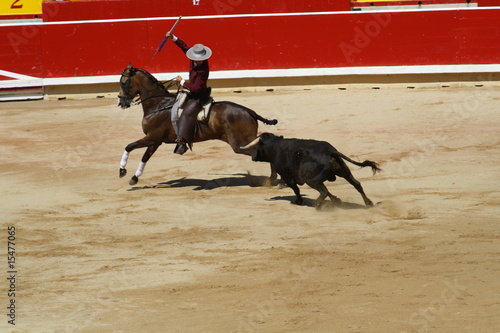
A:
x: 128, y: 90
x: 136, y: 81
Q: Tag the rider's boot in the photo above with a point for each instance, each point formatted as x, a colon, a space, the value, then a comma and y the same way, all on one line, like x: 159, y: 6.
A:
x: 181, y: 146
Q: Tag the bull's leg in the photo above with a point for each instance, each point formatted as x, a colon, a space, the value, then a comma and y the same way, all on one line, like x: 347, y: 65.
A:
x: 334, y: 199
x: 145, y: 158
x: 291, y: 183
x: 323, y: 193
x: 357, y: 185
x: 299, y: 200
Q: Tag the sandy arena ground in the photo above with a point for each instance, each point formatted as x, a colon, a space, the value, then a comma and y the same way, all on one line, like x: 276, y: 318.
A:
x: 193, y: 247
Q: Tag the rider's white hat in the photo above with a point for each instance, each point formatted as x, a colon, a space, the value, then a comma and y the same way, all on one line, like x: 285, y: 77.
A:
x: 199, y: 52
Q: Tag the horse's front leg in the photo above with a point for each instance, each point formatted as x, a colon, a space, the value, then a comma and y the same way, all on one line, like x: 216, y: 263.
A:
x: 145, y: 158
x: 142, y: 143
x: 123, y: 164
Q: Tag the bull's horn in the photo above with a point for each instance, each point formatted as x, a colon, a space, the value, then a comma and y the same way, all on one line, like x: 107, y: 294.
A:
x: 251, y: 144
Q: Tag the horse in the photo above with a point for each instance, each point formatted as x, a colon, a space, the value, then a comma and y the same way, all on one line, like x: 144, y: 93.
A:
x: 230, y: 122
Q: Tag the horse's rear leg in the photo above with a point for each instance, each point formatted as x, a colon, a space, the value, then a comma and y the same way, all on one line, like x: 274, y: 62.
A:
x: 270, y: 180
x: 145, y: 158
x: 236, y: 145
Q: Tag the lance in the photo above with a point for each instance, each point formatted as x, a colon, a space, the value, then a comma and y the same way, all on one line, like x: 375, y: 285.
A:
x: 166, y: 38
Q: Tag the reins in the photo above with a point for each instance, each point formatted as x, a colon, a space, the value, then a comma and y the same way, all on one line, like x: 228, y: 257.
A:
x: 137, y: 101
x: 159, y: 110
x: 173, y: 82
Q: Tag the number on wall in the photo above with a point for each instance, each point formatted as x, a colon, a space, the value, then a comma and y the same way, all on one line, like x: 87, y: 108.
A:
x: 14, y: 6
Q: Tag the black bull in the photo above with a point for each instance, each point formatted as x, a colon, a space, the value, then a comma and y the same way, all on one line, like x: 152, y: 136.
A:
x: 310, y: 162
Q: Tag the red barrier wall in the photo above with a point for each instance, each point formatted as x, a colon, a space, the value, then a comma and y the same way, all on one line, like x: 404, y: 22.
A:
x: 112, y: 9
x: 344, y: 39
x: 115, y: 9
x: 382, y: 3
x: 21, y: 49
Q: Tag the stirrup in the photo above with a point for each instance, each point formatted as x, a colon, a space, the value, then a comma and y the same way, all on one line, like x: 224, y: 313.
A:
x: 180, y: 140
x: 182, y: 145
x: 180, y: 148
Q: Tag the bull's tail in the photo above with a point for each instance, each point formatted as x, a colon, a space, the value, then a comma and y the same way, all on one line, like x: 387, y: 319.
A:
x: 366, y: 163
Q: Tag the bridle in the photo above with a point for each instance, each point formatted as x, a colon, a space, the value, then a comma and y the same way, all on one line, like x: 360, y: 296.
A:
x: 125, y: 86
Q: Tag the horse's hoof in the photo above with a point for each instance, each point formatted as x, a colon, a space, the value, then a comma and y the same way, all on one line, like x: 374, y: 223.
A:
x: 123, y: 172
x: 134, y: 180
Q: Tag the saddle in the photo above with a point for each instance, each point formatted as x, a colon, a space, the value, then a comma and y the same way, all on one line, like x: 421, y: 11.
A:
x: 205, y: 103
x: 204, y: 114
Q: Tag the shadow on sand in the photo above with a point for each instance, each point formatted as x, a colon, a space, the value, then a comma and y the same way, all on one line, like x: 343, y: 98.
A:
x: 326, y: 206
x: 205, y: 184
x: 245, y: 180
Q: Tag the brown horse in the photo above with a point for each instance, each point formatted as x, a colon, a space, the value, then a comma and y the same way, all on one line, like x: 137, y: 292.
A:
x: 229, y: 122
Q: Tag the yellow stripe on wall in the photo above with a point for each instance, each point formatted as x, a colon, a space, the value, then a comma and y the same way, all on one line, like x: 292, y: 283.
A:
x: 20, y: 7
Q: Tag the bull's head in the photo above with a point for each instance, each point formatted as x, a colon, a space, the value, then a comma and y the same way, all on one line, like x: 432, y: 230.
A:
x: 262, y: 142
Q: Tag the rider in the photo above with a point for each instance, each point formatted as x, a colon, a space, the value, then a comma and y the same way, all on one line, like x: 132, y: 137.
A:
x: 198, y: 91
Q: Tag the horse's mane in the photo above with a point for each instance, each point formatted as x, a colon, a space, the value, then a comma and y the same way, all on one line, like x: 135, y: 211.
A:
x: 152, y: 78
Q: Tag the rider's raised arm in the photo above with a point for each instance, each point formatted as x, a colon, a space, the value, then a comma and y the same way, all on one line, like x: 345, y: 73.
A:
x: 180, y: 43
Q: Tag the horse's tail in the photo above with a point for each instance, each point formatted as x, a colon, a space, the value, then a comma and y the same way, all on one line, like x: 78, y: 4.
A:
x: 254, y: 114
x: 264, y: 120
x: 366, y: 163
